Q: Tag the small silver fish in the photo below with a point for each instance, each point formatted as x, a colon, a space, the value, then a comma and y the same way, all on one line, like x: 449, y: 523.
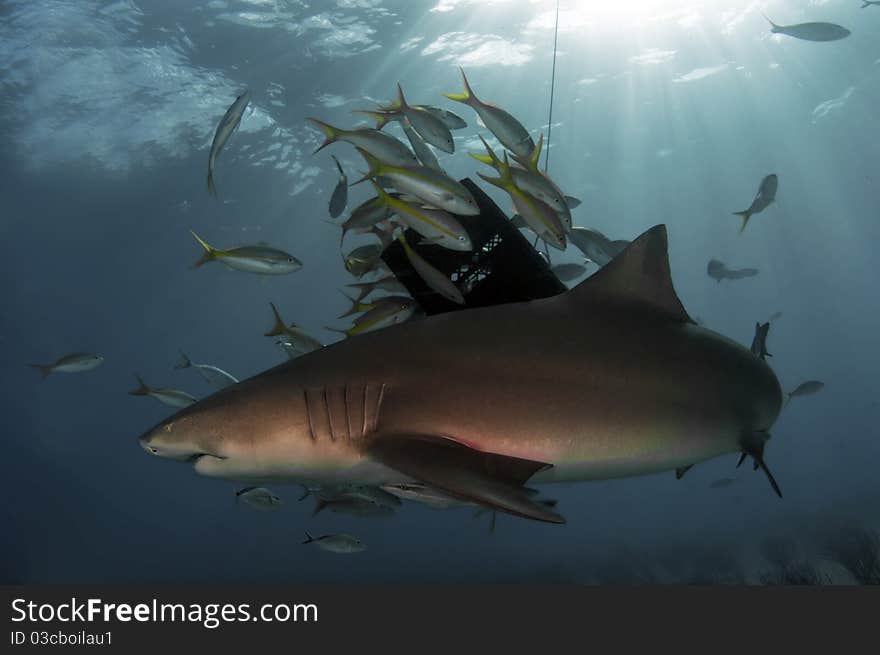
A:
x: 336, y: 543
x: 262, y: 260
x: 171, y: 397
x: 293, y: 340
x: 380, y: 314
x: 73, y: 363
x: 422, y: 493
x: 217, y: 377
x: 387, y: 283
x: 224, y: 130
x: 423, y: 150
x: 339, y: 199
x: 764, y: 198
x: 569, y: 272
x: 435, y: 279
x: 364, y: 259
x: 505, y: 127
x: 718, y: 271
x: 596, y: 246
x: 811, y: 31
x: 259, y: 498
x: 382, y: 146
x: 805, y: 389
x: 451, y: 120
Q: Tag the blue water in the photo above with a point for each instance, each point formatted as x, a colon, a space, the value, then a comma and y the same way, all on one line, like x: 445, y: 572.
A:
x: 665, y: 112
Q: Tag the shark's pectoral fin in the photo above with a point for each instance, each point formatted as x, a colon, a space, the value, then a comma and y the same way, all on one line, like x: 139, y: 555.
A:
x: 489, y: 479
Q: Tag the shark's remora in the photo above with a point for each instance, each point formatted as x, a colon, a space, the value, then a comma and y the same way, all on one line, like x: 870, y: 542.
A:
x: 610, y: 379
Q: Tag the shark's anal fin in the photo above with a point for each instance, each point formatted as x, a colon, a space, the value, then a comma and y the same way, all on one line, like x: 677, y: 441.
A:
x: 638, y: 277
x: 489, y: 479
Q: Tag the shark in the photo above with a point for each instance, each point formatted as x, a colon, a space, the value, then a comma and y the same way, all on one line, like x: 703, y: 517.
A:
x: 607, y: 380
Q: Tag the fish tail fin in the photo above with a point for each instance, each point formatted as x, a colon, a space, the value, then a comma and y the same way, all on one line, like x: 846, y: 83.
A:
x: 495, y: 181
x: 278, y: 327
x: 44, y: 369
x: 401, y: 100
x: 309, y: 538
x: 331, y: 134
x: 306, y: 493
x: 787, y: 400
x: 338, y: 165
x: 185, y: 361
x: 373, y: 164
x: 338, y: 331
x: 745, y: 215
x: 212, y: 189
x: 320, y: 504
x: 209, y: 254
x: 773, y: 26
x: 143, y: 388
x: 531, y: 162
x: 355, y: 305
x: 483, y: 159
x: 468, y: 97
x: 382, y: 118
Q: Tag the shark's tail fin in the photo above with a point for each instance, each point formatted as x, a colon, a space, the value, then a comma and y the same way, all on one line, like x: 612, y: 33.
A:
x: 745, y: 215
x: 143, y: 388
x: 185, y: 361
x: 309, y: 538
x: 44, y: 369
x: 865, y: 4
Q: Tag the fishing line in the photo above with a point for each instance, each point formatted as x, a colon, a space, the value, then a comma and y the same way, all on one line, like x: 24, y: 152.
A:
x: 552, y: 87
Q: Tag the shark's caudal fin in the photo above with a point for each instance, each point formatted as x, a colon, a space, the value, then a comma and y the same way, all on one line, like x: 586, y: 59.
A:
x: 638, y: 277
x: 489, y: 479
x: 44, y: 369
x: 745, y: 215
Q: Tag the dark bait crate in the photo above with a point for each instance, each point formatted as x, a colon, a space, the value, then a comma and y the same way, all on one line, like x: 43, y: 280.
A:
x: 502, y: 268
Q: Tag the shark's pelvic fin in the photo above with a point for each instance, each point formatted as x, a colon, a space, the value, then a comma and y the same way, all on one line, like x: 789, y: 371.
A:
x: 638, y: 276
x: 489, y: 479
x: 753, y: 446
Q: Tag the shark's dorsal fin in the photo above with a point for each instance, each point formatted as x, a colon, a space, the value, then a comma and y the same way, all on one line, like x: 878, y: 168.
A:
x: 638, y: 276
